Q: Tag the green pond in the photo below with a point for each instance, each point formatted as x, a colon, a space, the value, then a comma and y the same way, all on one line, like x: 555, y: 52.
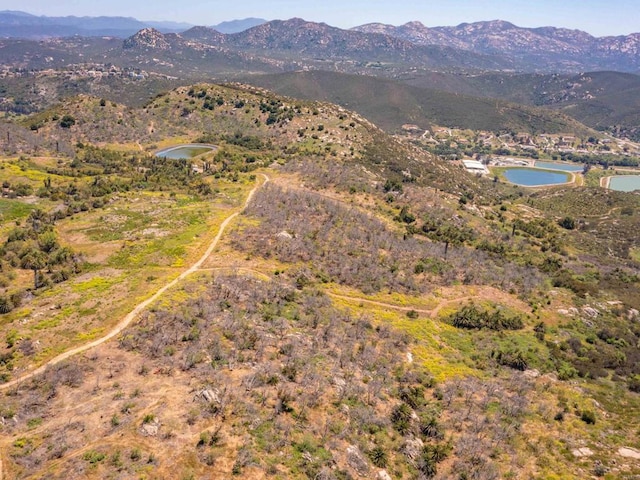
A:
x: 567, y: 167
x: 184, y: 151
x: 625, y: 183
x: 534, y: 177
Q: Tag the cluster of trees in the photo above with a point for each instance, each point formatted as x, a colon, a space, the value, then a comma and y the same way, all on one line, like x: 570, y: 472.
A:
x: 15, y: 139
x: 604, y: 160
x: 277, y: 111
x: 609, y: 349
x: 35, y: 246
x: 210, y: 102
x: 472, y: 317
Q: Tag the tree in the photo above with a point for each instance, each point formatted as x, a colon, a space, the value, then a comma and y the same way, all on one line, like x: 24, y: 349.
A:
x: 34, y: 260
x: 568, y: 223
x: 540, y: 329
x: 67, y: 121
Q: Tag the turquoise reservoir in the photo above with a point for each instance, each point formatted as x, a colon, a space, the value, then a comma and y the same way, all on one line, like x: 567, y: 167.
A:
x: 625, y: 183
x: 566, y: 167
x: 534, y: 177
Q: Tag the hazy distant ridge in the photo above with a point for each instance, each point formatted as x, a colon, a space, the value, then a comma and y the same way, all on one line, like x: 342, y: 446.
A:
x: 25, y: 25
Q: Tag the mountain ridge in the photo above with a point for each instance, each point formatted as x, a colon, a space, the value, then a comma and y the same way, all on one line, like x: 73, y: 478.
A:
x: 560, y: 46
x: 487, y: 45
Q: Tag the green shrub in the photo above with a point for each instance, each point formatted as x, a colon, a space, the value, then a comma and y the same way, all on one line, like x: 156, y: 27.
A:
x: 67, y: 121
x: 588, y: 417
x: 471, y: 317
x: 378, y: 456
x: 93, y: 456
x: 567, y: 223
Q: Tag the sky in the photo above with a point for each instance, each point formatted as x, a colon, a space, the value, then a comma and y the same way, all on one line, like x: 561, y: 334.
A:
x: 597, y: 17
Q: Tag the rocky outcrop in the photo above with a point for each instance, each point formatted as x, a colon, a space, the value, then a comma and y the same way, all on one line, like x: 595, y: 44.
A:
x: 357, y: 461
x: 147, y: 38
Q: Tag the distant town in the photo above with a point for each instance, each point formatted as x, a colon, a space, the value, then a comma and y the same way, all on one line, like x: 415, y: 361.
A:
x: 488, y: 147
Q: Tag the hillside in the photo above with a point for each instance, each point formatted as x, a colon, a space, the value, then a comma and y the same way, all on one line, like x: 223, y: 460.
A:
x: 311, y: 298
x: 600, y: 100
x: 391, y: 104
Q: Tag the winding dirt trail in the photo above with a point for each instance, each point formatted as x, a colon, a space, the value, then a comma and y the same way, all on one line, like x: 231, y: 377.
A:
x: 126, y: 321
x: 377, y: 304
x: 433, y: 313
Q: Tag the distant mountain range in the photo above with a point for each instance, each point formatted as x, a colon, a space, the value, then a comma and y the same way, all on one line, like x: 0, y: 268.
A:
x: 561, y: 48
x: 482, y: 46
x: 321, y: 46
x: 16, y: 24
x: 494, y: 45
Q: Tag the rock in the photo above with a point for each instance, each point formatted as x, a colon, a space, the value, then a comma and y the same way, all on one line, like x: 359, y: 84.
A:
x: 633, y: 314
x: 208, y: 395
x: 409, y: 357
x: 532, y: 373
x: 356, y: 460
x: 629, y: 452
x: 284, y: 235
x: 412, y: 448
x: 590, y: 312
x: 150, y: 429
x: 383, y: 475
x: 340, y: 384
x: 582, y: 452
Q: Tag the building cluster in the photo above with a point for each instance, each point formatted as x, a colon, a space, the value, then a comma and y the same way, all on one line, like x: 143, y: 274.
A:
x: 513, y: 142
x: 78, y: 71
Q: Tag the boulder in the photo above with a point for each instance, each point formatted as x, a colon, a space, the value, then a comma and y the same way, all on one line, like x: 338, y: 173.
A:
x: 412, y: 448
x: 150, y: 429
x: 383, y: 475
x: 582, y: 452
x: 356, y: 460
x: 629, y: 452
x: 208, y: 395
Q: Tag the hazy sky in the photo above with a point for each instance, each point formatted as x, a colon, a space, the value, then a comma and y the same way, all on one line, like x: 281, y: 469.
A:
x: 598, y: 17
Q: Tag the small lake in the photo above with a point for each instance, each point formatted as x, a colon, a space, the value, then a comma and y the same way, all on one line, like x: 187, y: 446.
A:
x: 534, y: 177
x: 566, y: 167
x: 625, y: 183
x: 184, y: 151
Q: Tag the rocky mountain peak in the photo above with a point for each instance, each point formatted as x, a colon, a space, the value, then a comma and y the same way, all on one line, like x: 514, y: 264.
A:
x: 415, y: 25
x: 147, y: 38
x: 205, y: 35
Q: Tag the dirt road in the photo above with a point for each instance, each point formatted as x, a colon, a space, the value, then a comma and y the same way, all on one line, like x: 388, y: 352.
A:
x: 124, y: 323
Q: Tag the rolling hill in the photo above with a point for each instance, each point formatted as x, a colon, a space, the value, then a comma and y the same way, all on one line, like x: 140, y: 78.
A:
x: 601, y: 100
x: 324, y: 301
x: 391, y: 104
